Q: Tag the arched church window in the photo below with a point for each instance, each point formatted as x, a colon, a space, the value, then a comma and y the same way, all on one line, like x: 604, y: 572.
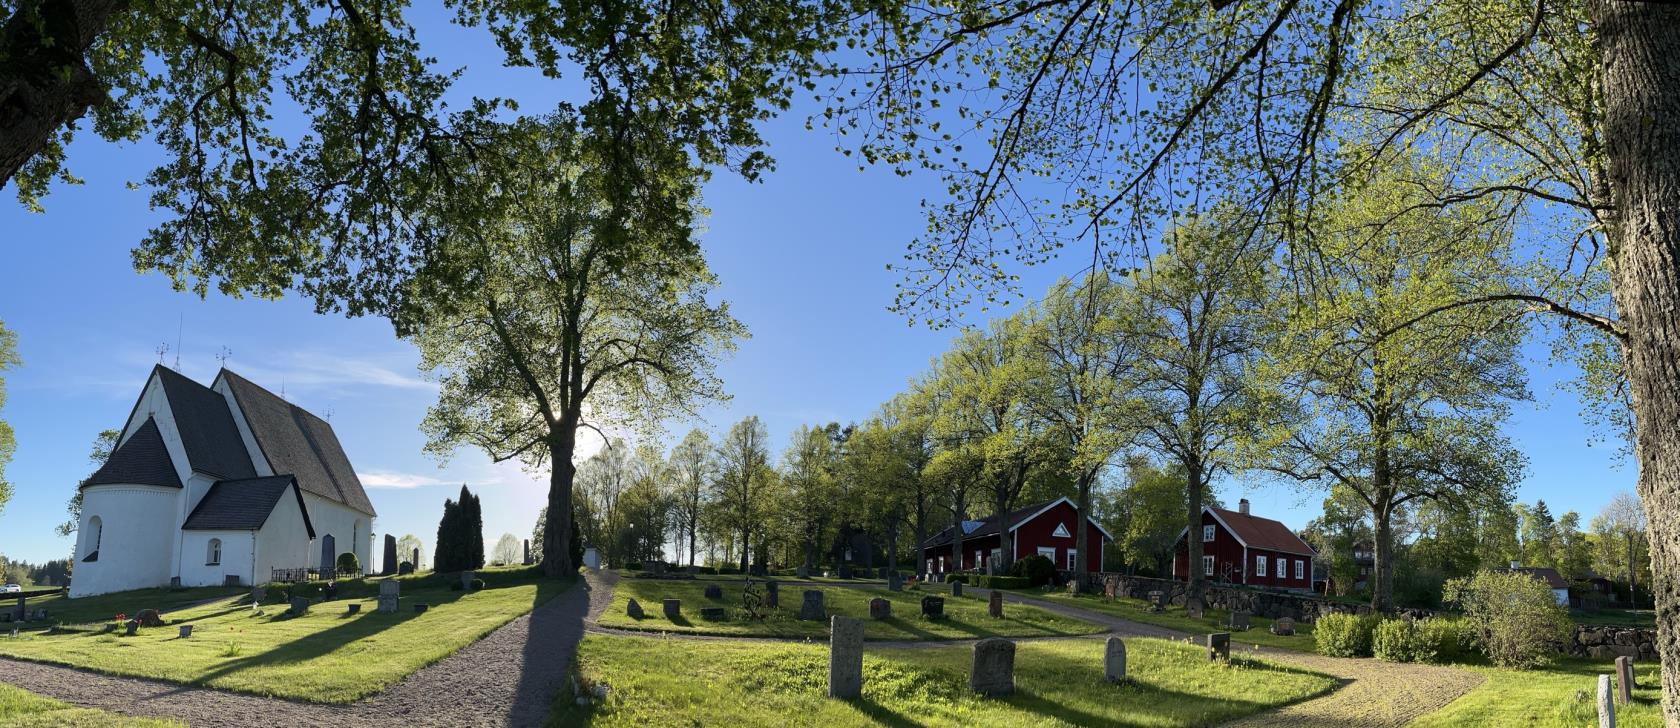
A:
x: 214, y: 555
x: 95, y: 530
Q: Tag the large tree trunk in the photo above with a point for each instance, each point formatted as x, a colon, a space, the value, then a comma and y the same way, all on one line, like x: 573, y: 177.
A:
x: 557, y: 536
x: 1197, y: 582
x: 45, y: 82
x: 1640, y: 46
x: 1082, y: 560
x: 1382, y: 564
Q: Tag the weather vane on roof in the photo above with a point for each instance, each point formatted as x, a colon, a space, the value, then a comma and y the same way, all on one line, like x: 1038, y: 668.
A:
x: 222, y: 357
x: 161, y: 350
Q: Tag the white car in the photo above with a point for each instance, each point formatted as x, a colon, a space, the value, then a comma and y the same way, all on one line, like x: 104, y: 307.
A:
x: 11, y: 589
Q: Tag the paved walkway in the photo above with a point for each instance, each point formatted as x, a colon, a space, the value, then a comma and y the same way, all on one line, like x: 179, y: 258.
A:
x: 509, y: 678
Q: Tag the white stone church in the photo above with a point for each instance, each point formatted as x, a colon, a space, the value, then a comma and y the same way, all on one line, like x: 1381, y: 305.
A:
x: 212, y: 484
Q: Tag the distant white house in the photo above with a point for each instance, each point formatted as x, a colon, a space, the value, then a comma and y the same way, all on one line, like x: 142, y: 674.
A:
x: 211, y: 484
x: 1553, y: 580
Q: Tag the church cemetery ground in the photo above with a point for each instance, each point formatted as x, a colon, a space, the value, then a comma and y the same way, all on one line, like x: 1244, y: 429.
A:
x: 22, y: 709
x: 327, y: 655
x: 1175, y: 618
x: 673, y: 681
x: 965, y: 617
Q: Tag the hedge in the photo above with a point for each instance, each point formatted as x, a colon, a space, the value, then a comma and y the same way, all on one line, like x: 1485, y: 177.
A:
x: 1344, y: 635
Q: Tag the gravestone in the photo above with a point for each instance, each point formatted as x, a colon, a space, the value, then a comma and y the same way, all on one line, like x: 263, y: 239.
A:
x: 811, y: 607
x: 1239, y: 621
x: 673, y: 609
x: 714, y: 591
x: 956, y: 588
x: 420, y: 608
x: 712, y: 614
x: 388, y: 562
x: 390, y: 592
x: 329, y: 591
x: 992, y: 671
x: 1219, y: 646
x: 933, y: 607
x: 1193, y: 610
x: 230, y: 580
x: 527, y: 560
x: 415, y: 559
x: 149, y: 618
x: 133, y: 627
x: 467, y: 579
x: 1157, y: 601
x: 1624, y: 680
x: 802, y: 572
x: 1606, y: 711
x: 1114, y: 660
x: 895, y: 582
x: 300, y: 607
x: 186, y: 631
x: 328, y: 554
x: 845, y: 657
x: 1283, y: 626
x: 1111, y: 587
x: 633, y: 610
x: 879, y: 608
x: 772, y: 594
x: 994, y: 605
x: 405, y: 568
x: 353, y: 608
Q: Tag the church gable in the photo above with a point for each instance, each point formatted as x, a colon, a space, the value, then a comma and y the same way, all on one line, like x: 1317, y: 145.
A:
x: 142, y: 460
x: 205, y: 426
x: 244, y: 505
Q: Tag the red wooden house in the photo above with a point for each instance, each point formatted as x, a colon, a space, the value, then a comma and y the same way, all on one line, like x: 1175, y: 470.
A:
x: 1049, y: 529
x: 1240, y: 548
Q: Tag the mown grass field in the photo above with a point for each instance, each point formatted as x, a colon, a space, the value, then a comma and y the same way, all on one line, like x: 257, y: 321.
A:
x: 1213, y: 620
x: 326, y: 656
x: 1558, y: 696
x: 669, y: 681
x: 20, y: 708
x: 65, y: 610
x: 965, y: 616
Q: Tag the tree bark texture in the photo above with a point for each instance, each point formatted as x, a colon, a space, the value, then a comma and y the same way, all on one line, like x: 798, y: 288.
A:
x: 1639, y: 45
x: 557, y: 540
x: 45, y: 81
x: 1193, y: 536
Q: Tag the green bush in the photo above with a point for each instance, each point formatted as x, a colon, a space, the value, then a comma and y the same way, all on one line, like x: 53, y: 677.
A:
x: 1036, y: 569
x: 348, y: 563
x: 1405, y: 640
x: 1344, y: 635
x: 632, y: 566
x: 1511, y: 616
x: 1000, y: 582
x: 708, y: 570
x: 1446, y: 635
x: 956, y: 578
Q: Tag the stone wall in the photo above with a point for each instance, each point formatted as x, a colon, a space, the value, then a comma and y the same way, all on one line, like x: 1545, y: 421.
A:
x: 1604, y: 643
x: 1265, y: 603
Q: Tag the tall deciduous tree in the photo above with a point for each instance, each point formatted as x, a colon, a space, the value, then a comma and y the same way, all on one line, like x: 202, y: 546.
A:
x: 692, y: 468
x: 1196, y: 324
x: 103, y: 444
x: 507, y: 550
x: 813, y: 505
x: 1623, y: 542
x: 743, y: 481
x: 574, y: 305
x: 1392, y: 412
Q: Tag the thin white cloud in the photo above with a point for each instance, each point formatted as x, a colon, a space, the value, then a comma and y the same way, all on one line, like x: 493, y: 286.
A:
x: 394, y: 479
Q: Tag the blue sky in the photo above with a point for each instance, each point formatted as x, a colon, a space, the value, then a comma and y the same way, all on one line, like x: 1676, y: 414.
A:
x: 802, y: 257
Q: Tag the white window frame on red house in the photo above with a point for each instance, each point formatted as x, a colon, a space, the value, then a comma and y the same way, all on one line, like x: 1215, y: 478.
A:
x: 1260, y: 565
x: 1071, y: 555
x: 1207, y: 566
x: 1207, y: 533
x: 1282, y: 568
x: 1300, y: 567
x: 1048, y: 552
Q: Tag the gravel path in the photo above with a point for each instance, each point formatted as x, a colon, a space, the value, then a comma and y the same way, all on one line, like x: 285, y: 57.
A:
x: 508, y: 678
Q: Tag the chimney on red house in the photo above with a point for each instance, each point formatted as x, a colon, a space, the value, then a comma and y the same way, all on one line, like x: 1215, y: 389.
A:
x: 1242, y: 506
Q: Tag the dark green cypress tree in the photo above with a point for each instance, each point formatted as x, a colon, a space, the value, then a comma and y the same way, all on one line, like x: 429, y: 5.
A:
x: 471, y: 530
x: 445, y: 556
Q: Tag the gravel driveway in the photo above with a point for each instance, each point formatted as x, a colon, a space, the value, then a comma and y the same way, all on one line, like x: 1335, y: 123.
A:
x: 508, y: 678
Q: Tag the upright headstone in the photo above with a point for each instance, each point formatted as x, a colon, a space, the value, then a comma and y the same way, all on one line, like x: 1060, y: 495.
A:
x: 1624, y: 680
x: 845, y: 658
x: 879, y: 608
x: 811, y: 608
x: 1283, y: 626
x: 633, y: 610
x: 1193, y: 609
x: 353, y: 608
x: 956, y: 588
x: 1606, y: 709
x: 673, y: 609
x: 992, y: 671
x: 714, y: 591
x: 527, y: 559
x: 1157, y: 600
x: 390, y: 593
x: 467, y: 578
x: 1114, y: 660
x: 772, y: 594
x: 1219, y: 646
x: 994, y: 605
x: 329, y: 555
x: 933, y: 607
x: 802, y: 572
x: 895, y: 582
x: 416, y: 559
x: 1239, y: 621
x: 300, y: 606
x: 388, y: 558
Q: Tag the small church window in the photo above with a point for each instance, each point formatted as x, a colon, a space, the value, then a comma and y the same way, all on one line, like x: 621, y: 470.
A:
x: 95, y: 530
x: 214, y: 556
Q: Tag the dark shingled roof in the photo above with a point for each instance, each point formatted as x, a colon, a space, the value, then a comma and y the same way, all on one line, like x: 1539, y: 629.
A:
x: 988, y: 526
x: 1262, y: 533
x: 143, y: 460
x: 299, y: 443
x: 206, y: 426
x: 243, y: 505
x: 1546, y: 574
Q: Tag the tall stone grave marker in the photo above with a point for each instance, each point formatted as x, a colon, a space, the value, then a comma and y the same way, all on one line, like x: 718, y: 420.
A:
x: 992, y: 672
x: 811, y: 608
x: 1219, y: 646
x: 1114, y: 660
x: 845, y: 658
x: 1624, y: 680
x: 994, y: 605
x: 388, y: 560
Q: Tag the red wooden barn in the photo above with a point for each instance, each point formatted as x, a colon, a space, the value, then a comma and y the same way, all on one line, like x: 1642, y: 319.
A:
x: 1241, y: 548
x: 1050, y: 528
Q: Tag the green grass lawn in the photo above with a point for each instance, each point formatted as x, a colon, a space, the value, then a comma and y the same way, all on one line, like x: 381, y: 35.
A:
x: 325, y: 656
x: 1561, y: 695
x: 656, y: 681
x: 65, y: 610
x: 1616, y: 617
x: 20, y: 708
x: 965, y: 616
x: 1213, y: 620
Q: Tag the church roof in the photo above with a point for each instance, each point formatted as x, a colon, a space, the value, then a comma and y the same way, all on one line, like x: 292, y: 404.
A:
x: 298, y: 443
x: 143, y: 460
x: 243, y: 505
x: 206, y: 426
